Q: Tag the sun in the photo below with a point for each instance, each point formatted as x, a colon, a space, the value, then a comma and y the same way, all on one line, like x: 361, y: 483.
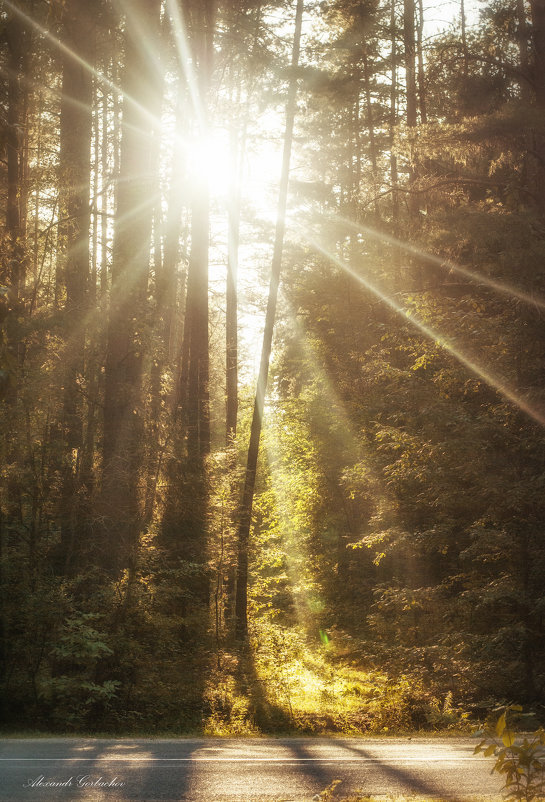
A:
x: 210, y: 160
x: 252, y: 174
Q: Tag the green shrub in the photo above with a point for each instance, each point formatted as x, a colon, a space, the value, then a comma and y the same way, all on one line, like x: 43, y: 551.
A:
x: 522, y: 764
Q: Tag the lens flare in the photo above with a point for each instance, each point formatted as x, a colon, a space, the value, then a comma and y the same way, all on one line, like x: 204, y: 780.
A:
x: 444, y: 264
x: 186, y: 61
x: 103, y: 79
x: 493, y: 381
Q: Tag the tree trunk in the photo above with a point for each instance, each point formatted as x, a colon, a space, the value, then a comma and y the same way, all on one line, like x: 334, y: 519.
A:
x: 122, y: 447
x: 231, y: 311
x: 75, y: 186
x: 421, y: 72
x: 12, y: 277
x: 464, y: 37
x: 410, y: 61
x: 370, y: 123
x: 538, y: 38
x: 12, y: 272
x: 241, y: 599
x: 394, y: 177
x: 198, y: 405
x: 184, y: 523
x: 167, y: 286
x: 411, y: 100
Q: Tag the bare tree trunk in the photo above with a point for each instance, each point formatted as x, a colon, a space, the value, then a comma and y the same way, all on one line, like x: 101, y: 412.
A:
x: 421, y: 71
x: 12, y: 276
x: 536, y: 70
x: 184, y: 525
x: 75, y: 187
x: 122, y: 452
x: 198, y: 406
x: 394, y: 177
x: 410, y: 60
x: 411, y: 100
x: 465, y: 51
x: 12, y: 273
x: 167, y: 288
x: 241, y: 599
x: 370, y: 124
x: 538, y: 38
x: 231, y: 311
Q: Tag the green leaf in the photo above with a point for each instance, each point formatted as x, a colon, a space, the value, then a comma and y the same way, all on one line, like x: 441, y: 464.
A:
x: 490, y: 750
x: 500, y: 725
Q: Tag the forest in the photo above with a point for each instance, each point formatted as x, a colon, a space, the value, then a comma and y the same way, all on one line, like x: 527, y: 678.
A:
x: 272, y: 364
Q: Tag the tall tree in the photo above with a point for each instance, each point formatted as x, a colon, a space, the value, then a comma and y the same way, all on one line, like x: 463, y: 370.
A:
x: 241, y: 600
x: 409, y: 40
x: 231, y: 312
x: 197, y: 399
x: 122, y: 453
x: 537, y: 8
x: 74, y: 211
x: 13, y: 271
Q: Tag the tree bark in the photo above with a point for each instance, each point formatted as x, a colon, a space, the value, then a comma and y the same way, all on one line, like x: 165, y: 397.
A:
x: 410, y: 61
x: 394, y: 177
x: 122, y: 446
x: 75, y: 187
x: 421, y: 72
x: 13, y: 270
x: 198, y: 404
x: 465, y: 51
x: 370, y: 122
x: 231, y: 310
x: 184, y: 524
x: 411, y: 94
x: 538, y: 38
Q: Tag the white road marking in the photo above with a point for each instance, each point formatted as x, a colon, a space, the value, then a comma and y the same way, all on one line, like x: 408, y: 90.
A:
x: 444, y: 759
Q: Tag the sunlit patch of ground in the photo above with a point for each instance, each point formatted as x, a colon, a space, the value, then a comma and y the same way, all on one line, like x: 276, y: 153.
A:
x: 284, y: 684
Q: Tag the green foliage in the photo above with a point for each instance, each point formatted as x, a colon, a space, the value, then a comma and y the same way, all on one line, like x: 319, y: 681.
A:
x: 519, y: 759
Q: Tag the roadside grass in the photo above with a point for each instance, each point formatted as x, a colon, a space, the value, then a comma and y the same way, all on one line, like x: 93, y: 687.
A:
x: 396, y: 798
x: 329, y: 795
x: 390, y: 798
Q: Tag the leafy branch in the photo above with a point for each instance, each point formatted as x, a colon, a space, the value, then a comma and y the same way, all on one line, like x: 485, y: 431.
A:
x: 522, y: 764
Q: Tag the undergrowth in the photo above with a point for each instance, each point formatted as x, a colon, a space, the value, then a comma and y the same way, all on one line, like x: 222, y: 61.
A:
x: 283, y: 683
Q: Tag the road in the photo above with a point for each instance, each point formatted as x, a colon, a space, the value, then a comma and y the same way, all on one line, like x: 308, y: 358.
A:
x: 238, y: 770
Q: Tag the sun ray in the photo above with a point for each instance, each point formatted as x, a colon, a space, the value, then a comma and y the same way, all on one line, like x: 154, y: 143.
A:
x: 186, y: 62
x: 46, y: 91
x: 493, y: 381
x: 142, y: 35
x: 354, y: 450
x: 445, y: 264
x: 103, y: 79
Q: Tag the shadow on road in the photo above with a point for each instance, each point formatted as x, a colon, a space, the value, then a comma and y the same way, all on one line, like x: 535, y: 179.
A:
x: 100, y: 771
x: 322, y: 774
x: 409, y: 780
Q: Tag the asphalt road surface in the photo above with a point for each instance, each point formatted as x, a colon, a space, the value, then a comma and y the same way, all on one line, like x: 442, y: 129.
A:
x: 239, y: 770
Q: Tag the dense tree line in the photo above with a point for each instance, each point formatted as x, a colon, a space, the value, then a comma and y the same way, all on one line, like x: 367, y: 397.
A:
x: 172, y: 536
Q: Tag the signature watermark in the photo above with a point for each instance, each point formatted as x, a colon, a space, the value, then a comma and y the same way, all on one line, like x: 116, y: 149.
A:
x: 79, y: 781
